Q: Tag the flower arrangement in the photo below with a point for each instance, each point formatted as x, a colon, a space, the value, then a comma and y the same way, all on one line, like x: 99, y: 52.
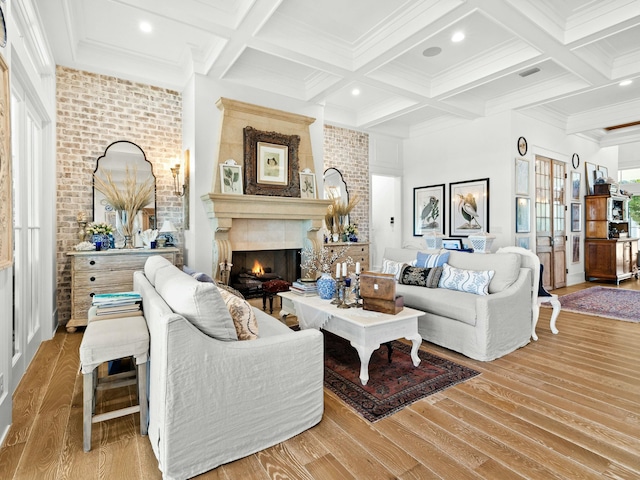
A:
x: 128, y: 200
x: 322, y: 260
x: 99, y: 228
x: 351, y: 229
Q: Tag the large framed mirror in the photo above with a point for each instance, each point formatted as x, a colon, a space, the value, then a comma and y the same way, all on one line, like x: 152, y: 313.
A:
x: 335, y: 186
x: 119, y: 157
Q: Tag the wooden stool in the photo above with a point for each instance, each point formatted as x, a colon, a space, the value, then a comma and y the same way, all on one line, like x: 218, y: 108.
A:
x: 271, y: 288
x: 104, y: 341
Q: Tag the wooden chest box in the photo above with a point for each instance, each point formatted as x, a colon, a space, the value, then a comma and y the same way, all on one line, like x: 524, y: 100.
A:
x: 378, y: 292
x: 384, y: 306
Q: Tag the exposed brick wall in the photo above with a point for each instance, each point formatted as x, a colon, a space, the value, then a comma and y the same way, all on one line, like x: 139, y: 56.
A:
x: 348, y: 151
x: 94, y: 111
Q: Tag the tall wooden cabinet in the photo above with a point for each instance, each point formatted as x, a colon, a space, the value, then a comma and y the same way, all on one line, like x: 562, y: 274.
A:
x: 609, y: 253
x: 106, y: 271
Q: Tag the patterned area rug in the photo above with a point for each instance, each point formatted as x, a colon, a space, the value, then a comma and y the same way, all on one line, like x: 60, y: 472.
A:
x: 392, y: 386
x: 616, y: 303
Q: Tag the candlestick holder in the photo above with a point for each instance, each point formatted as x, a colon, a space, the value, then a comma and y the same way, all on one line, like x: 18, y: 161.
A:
x: 343, y: 293
x: 339, y: 284
x: 356, y: 291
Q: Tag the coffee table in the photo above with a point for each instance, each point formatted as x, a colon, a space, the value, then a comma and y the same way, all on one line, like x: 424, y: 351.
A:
x: 366, y: 330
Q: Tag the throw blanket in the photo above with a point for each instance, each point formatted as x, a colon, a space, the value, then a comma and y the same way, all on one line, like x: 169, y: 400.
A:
x: 310, y: 317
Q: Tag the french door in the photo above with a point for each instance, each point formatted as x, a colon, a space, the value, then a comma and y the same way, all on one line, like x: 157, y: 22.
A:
x: 26, y: 146
x: 550, y: 221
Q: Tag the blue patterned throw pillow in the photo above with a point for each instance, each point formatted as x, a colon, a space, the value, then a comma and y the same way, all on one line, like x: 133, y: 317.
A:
x: 470, y: 281
x: 429, y: 260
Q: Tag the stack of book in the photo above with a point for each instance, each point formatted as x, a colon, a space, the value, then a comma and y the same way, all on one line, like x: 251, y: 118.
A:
x: 120, y: 304
x: 306, y: 289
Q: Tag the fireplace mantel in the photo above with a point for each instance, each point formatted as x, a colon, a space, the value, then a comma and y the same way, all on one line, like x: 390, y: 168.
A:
x: 223, y: 209
x: 225, y: 206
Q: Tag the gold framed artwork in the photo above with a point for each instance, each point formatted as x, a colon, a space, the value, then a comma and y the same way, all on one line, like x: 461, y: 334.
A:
x: 6, y: 211
x: 270, y: 160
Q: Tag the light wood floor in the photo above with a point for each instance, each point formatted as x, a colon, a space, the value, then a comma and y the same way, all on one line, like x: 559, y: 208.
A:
x: 565, y: 407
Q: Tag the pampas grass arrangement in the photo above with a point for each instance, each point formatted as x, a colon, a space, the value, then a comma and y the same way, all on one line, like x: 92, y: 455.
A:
x: 130, y: 199
x: 339, y: 210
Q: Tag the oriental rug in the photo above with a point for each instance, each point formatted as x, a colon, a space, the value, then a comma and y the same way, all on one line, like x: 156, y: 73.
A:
x: 391, y: 386
x: 616, y: 303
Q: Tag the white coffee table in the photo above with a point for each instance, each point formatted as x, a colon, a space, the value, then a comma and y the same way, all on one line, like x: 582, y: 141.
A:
x: 366, y: 330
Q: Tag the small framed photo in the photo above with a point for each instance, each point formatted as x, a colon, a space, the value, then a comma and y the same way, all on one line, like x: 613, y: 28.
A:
x: 273, y: 163
x: 576, y: 217
x: 231, y: 179
x: 603, y: 172
x: 452, y: 243
x: 523, y: 242
x: 307, y: 185
x: 523, y: 215
x: 590, y: 174
x: 576, y: 180
x: 522, y: 176
x: 575, y: 250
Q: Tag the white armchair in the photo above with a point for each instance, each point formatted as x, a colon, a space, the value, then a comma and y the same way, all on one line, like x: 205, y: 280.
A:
x: 540, y: 295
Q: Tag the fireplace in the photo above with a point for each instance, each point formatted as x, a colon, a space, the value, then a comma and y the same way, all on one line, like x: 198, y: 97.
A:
x: 252, y: 268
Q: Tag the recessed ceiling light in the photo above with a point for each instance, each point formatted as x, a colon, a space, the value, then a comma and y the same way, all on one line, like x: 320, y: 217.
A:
x: 145, y: 27
x: 624, y: 83
x: 355, y: 92
x: 531, y: 71
x: 457, y: 37
x: 432, y: 51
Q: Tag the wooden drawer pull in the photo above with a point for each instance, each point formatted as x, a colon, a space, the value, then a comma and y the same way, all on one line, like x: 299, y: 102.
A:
x: 92, y: 262
x: 93, y: 279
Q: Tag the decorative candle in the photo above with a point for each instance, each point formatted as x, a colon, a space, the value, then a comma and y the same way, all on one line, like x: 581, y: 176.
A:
x: 337, y: 270
x: 344, y: 269
x: 357, y: 268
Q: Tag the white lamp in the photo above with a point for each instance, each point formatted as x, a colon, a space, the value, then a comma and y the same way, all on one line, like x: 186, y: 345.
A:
x: 433, y: 240
x: 166, y: 232
x: 481, y: 242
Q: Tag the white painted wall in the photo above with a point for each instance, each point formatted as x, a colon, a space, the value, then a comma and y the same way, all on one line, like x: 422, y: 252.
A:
x: 486, y: 147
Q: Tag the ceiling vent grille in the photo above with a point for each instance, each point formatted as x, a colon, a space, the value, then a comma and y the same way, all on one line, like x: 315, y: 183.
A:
x: 531, y: 71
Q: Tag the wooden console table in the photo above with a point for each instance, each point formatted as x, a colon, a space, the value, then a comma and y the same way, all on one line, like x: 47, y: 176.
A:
x: 107, y: 271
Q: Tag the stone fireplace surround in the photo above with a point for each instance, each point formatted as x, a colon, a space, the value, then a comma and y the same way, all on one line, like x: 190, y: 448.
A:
x: 261, y: 222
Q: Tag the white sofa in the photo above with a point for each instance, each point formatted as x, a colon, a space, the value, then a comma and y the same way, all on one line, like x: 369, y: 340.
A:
x: 214, y: 401
x: 482, y: 327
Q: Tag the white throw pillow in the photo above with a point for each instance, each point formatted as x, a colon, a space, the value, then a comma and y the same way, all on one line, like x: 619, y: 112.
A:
x: 393, y: 267
x: 470, y: 281
x: 199, y: 302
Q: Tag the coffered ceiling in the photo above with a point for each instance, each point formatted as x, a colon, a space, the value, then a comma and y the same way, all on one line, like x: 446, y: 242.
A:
x: 398, y: 54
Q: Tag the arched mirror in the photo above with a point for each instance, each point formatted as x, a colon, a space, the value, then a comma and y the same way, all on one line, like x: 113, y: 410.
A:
x: 118, y: 158
x: 335, y: 186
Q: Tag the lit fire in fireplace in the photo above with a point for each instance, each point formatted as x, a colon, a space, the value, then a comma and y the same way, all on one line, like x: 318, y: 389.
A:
x: 257, y: 268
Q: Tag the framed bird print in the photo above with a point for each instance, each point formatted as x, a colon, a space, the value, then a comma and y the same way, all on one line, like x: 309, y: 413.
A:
x: 469, y: 207
x: 428, y: 209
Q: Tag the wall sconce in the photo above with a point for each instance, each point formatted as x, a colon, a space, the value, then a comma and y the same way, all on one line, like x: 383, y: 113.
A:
x: 178, y: 189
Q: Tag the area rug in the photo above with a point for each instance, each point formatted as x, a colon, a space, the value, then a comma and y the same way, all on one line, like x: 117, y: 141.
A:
x: 616, y: 303
x: 391, y: 386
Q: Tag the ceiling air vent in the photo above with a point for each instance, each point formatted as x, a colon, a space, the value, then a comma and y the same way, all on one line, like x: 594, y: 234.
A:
x: 531, y: 71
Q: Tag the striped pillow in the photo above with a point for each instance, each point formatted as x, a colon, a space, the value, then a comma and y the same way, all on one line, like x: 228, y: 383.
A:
x: 429, y: 260
x: 391, y: 266
x: 470, y: 281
